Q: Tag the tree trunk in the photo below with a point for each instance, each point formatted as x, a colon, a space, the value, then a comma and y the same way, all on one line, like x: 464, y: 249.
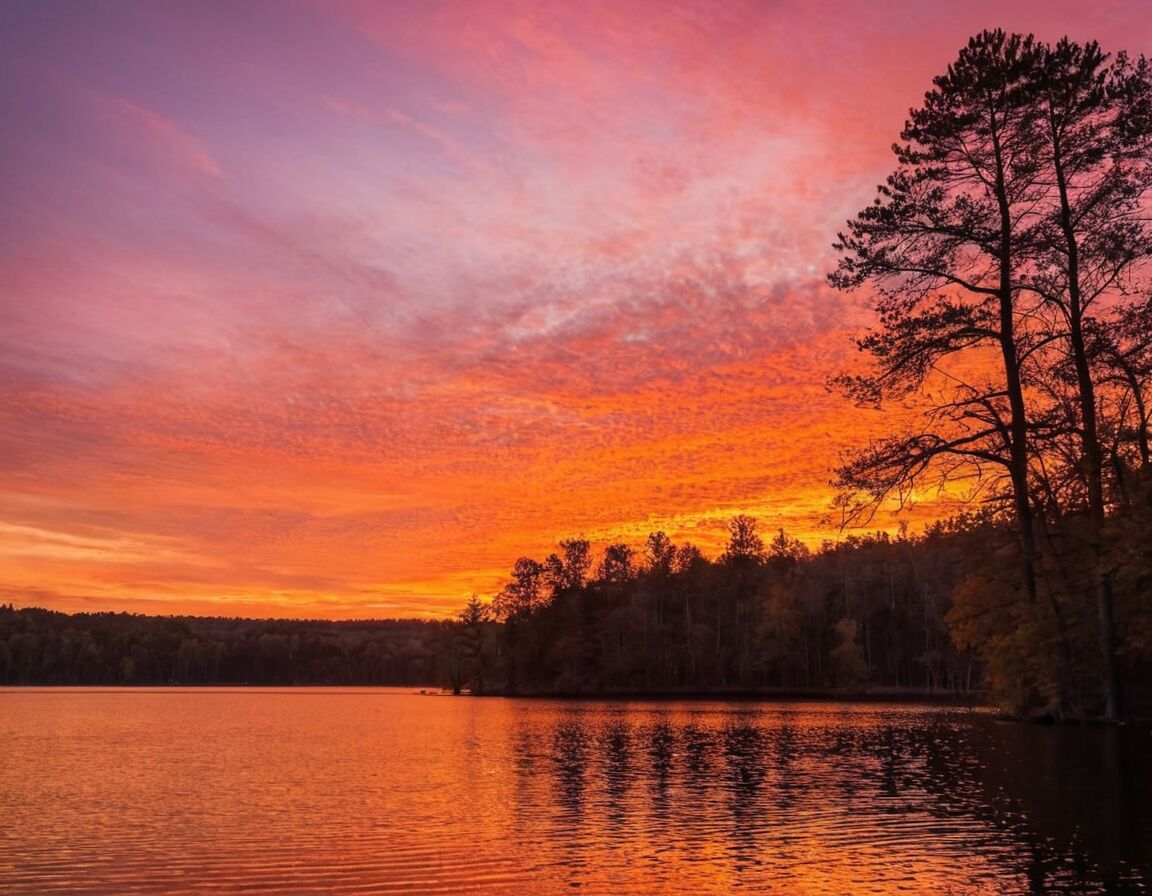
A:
x: 1018, y: 424
x: 1089, y: 437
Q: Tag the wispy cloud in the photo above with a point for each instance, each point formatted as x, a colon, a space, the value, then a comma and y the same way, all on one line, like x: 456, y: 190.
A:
x: 164, y: 135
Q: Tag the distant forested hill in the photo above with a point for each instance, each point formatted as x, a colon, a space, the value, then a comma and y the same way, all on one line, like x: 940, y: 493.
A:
x: 45, y: 647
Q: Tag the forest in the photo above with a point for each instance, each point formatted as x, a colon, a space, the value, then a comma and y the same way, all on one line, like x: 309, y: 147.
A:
x: 44, y: 647
x: 867, y: 612
x: 940, y: 612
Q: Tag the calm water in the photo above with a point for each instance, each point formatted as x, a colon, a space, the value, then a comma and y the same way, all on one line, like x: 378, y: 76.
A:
x: 305, y: 791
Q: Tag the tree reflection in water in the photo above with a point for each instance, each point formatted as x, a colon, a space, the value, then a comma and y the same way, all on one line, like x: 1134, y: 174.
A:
x: 898, y: 797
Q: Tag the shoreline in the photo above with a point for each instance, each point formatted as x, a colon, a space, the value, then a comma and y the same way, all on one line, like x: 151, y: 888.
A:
x: 824, y: 695
x: 788, y: 695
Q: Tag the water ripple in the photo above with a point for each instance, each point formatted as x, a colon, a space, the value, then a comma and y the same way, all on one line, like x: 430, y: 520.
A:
x: 250, y: 792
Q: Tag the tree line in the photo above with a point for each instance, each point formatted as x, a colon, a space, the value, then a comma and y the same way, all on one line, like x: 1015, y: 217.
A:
x: 44, y: 647
x: 872, y: 612
x: 869, y: 611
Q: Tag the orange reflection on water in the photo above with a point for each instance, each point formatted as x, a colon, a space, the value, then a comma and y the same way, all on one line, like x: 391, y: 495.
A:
x: 302, y: 790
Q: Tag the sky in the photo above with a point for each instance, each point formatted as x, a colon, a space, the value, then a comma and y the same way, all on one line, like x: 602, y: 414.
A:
x: 334, y: 309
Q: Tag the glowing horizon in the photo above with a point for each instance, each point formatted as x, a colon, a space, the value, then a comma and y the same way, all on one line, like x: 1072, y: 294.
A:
x: 335, y: 309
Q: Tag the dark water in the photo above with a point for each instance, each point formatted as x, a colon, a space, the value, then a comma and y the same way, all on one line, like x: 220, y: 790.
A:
x: 302, y: 791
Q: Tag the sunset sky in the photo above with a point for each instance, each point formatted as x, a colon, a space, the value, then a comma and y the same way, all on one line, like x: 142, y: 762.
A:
x: 336, y: 308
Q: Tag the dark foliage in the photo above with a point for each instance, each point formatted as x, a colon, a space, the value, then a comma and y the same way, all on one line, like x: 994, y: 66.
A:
x: 49, y: 648
x: 868, y: 612
x: 1008, y: 254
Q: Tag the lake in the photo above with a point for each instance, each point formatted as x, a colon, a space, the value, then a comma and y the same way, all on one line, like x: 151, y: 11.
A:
x: 299, y: 791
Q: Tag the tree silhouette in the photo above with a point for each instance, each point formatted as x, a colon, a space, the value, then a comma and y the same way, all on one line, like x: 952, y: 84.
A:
x: 1016, y: 220
x: 660, y: 552
x: 940, y: 247
x: 616, y: 567
x: 744, y: 545
x: 568, y: 570
x: 515, y: 606
x: 1091, y: 238
x: 473, y: 664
